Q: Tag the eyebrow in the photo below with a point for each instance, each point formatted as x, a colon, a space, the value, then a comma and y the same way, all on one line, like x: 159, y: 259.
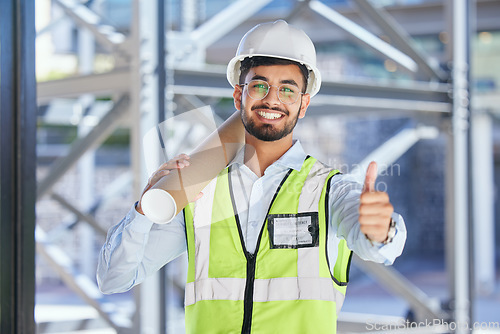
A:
x: 259, y: 77
x: 289, y: 81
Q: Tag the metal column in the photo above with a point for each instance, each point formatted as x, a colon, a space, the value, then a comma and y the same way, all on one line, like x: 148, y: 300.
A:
x: 161, y: 115
x: 460, y: 127
x: 86, y: 164
x: 483, y: 202
x: 17, y: 166
x: 148, y: 102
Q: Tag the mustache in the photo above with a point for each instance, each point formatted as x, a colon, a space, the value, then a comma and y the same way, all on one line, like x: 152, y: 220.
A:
x: 274, y: 108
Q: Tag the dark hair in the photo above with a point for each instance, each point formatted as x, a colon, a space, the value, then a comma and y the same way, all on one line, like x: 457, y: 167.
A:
x: 251, y: 62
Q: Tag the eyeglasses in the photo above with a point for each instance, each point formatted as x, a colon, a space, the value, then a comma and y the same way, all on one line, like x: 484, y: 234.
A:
x: 258, y: 89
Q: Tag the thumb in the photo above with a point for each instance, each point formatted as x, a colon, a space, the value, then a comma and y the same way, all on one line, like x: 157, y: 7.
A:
x: 371, y: 177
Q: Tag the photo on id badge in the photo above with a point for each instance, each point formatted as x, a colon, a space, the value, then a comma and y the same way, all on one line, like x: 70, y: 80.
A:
x: 293, y: 230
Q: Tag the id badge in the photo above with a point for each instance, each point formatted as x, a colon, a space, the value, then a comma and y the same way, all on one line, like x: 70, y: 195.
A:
x: 293, y: 230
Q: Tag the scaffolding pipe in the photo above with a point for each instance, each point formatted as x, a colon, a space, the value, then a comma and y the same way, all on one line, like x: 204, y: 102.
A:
x: 105, y: 34
x: 400, y: 38
x: 483, y: 194
x: 95, y: 137
x: 425, y: 307
x: 87, y: 163
x: 79, y: 214
x: 225, y: 21
x: 147, y: 95
x: 79, y: 283
x: 461, y: 303
x: 364, y: 36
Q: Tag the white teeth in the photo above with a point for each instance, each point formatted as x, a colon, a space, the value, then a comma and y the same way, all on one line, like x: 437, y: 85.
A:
x: 269, y: 115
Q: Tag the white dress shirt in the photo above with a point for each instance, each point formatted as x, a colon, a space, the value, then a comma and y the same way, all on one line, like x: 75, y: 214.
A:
x: 136, y: 247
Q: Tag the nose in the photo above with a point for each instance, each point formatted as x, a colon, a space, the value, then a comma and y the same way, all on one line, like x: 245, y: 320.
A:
x: 272, y: 96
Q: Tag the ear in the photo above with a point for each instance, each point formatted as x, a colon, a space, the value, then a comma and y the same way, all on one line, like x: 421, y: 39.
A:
x: 306, y: 99
x: 238, y: 91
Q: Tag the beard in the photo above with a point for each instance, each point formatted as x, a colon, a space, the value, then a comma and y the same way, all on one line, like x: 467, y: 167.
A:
x: 268, y: 132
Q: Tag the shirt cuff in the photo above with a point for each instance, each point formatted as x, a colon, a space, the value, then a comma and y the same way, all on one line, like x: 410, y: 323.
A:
x: 138, y: 222
x: 394, y: 249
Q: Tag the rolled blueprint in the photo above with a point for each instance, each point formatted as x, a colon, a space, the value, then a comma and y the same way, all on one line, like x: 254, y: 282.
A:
x: 174, y: 191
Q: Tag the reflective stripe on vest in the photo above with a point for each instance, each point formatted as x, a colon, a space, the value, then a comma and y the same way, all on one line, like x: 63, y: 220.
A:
x: 278, y: 290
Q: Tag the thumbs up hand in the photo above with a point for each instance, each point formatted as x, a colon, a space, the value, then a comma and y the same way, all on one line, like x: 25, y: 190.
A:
x: 375, y: 209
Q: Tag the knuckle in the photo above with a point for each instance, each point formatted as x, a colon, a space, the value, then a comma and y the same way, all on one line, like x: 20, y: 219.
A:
x: 363, y: 229
x: 390, y: 208
x: 364, y: 220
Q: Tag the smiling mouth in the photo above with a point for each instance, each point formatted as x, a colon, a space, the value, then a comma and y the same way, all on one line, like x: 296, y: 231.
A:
x: 269, y: 115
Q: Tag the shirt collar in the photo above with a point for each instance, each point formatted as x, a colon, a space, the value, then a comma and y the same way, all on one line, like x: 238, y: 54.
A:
x: 293, y: 158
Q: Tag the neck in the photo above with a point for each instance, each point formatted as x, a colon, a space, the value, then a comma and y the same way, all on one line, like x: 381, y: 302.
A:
x: 261, y: 154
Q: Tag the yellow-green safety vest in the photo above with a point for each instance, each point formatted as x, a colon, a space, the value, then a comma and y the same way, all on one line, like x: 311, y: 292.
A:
x: 287, y: 286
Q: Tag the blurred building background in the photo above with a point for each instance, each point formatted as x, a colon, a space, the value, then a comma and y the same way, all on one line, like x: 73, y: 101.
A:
x: 387, y: 94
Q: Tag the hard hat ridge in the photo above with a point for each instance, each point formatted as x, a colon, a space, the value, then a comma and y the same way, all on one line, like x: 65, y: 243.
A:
x: 277, y: 40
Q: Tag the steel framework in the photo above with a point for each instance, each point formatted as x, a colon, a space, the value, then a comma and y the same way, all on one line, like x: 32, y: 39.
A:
x: 153, y: 71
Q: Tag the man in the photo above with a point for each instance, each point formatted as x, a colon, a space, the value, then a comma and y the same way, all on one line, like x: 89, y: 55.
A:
x: 270, y: 241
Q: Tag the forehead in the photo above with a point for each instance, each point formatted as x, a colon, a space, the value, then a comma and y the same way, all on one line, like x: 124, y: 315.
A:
x: 276, y: 73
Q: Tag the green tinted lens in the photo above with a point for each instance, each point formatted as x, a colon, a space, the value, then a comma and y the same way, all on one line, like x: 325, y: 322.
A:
x: 288, y: 93
x: 258, y: 89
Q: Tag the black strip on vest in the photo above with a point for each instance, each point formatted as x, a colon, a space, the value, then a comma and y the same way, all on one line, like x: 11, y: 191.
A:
x: 274, y: 197
x: 348, y: 268
x: 327, y: 223
x: 270, y: 205
x: 251, y: 258
x: 185, y: 231
x: 249, y: 288
x: 236, y: 216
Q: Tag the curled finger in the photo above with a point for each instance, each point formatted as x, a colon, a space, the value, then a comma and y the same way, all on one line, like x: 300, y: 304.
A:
x: 157, y: 176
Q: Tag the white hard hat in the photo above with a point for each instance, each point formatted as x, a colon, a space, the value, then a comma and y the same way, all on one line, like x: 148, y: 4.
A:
x: 278, y: 40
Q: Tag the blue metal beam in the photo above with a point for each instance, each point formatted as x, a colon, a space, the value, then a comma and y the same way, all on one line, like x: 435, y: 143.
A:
x: 17, y: 166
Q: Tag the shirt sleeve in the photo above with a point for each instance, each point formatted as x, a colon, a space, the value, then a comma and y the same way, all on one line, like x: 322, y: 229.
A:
x: 344, y: 213
x: 136, y: 248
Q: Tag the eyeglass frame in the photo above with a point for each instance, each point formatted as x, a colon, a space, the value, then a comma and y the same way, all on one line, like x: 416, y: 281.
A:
x: 269, y: 89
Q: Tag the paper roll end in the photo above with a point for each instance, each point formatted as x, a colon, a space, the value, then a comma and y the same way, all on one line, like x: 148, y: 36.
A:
x: 158, y: 206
